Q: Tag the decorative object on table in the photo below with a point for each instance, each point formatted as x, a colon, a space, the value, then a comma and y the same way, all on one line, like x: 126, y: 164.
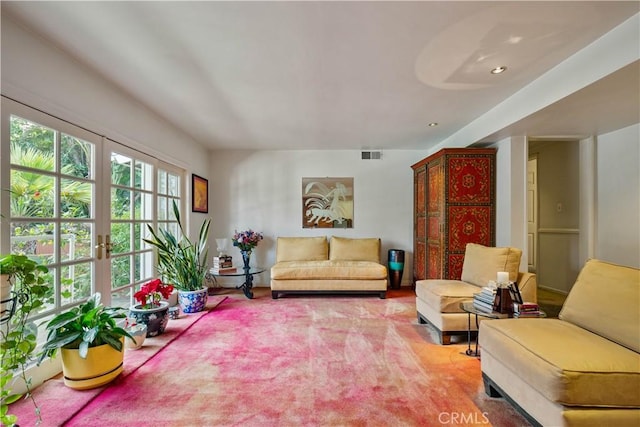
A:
x: 174, y: 313
x: 246, y: 241
x: 152, y: 311
x: 503, y: 302
x: 182, y: 262
x: 396, y: 267
x: 223, y: 264
x: 484, y: 299
x: 24, y: 292
x: 327, y: 202
x: 137, y: 330
x: 90, y: 342
x: 222, y: 244
x: 199, y: 194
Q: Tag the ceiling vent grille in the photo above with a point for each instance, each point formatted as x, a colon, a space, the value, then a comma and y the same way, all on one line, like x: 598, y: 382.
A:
x: 372, y: 155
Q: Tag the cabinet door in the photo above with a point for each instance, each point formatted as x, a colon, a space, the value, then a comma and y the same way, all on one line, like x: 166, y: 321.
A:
x: 420, y: 224
x: 435, y: 215
x: 470, y: 195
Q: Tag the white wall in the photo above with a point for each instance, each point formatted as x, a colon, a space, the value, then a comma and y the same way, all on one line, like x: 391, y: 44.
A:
x: 38, y: 74
x: 618, y: 196
x: 262, y: 190
x: 511, y: 213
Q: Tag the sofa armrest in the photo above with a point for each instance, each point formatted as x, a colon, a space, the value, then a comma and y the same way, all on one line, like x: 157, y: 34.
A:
x: 528, y: 285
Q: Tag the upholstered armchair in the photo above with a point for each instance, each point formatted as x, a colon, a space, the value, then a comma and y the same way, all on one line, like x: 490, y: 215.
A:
x: 438, y: 300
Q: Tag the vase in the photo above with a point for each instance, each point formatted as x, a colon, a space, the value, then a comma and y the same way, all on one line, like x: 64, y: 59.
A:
x: 155, y: 318
x: 139, y: 333
x: 246, y: 259
x: 193, y: 301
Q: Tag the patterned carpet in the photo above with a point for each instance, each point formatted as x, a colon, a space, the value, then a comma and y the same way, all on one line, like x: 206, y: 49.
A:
x: 302, y: 361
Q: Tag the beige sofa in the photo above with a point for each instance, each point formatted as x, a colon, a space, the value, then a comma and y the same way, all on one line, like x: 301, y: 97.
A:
x: 313, y: 265
x: 438, y: 301
x: 582, y: 369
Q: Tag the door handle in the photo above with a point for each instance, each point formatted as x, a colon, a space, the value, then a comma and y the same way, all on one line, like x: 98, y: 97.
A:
x: 108, y: 246
x: 99, y: 247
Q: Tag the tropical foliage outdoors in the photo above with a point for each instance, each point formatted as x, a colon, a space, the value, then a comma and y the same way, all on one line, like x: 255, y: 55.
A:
x: 33, y: 198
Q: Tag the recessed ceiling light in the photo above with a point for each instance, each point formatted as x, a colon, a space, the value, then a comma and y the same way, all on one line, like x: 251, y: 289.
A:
x: 498, y: 70
x: 433, y: 124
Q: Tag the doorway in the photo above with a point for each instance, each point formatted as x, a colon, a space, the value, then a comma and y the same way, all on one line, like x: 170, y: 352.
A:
x: 553, y: 212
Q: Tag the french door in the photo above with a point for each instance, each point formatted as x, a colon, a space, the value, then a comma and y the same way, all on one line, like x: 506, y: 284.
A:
x: 141, y: 191
x: 80, y: 204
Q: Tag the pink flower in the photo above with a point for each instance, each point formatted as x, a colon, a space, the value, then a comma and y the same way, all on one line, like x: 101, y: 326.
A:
x: 246, y: 240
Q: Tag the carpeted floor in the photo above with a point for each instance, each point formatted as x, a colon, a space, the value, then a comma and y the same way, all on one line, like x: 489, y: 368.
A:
x: 301, y: 361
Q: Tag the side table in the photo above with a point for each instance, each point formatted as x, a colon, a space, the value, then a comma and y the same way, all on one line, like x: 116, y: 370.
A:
x: 248, y: 278
x: 470, y: 309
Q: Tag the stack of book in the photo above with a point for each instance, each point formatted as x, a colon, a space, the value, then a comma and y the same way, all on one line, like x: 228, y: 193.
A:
x: 223, y: 264
x: 526, y: 309
x: 483, y: 300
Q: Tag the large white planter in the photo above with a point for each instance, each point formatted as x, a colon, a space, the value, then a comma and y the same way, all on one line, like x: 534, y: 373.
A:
x: 193, y: 301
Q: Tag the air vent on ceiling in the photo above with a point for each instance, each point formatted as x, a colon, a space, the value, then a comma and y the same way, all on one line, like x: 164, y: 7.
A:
x: 371, y: 155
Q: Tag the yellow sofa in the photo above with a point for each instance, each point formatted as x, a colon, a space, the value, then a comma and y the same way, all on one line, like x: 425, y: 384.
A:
x: 313, y: 265
x: 438, y: 301
x: 582, y: 369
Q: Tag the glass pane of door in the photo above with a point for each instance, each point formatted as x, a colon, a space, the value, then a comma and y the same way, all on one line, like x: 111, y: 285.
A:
x: 52, y: 206
x: 141, y: 192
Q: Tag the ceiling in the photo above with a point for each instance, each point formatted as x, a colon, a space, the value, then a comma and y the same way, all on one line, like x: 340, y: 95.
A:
x: 338, y: 75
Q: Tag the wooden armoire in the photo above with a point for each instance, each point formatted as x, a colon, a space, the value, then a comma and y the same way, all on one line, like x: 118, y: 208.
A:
x: 454, y: 204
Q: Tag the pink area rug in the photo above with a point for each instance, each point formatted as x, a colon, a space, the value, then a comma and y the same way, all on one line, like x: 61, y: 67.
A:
x: 59, y: 403
x: 302, y: 361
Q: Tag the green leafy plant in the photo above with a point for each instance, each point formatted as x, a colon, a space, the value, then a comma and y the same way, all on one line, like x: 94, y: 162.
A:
x: 29, y: 294
x: 90, y: 324
x: 181, y: 262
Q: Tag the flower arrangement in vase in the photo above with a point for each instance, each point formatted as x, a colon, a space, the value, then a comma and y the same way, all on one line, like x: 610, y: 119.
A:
x: 152, y: 311
x: 246, y: 241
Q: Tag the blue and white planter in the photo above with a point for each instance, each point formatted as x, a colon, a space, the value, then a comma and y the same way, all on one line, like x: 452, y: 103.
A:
x: 156, y: 318
x: 193, y: 301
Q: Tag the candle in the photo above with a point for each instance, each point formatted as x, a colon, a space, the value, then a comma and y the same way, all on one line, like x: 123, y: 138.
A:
x: 503, y: 278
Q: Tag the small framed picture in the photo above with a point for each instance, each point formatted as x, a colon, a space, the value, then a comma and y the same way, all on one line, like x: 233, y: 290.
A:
x: 199, y: 194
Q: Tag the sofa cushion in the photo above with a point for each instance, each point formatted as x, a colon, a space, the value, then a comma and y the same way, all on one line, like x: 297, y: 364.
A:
x: 302, y: 249
x: 345, y: 249
x: 604, y: 299
x: 328, y: 270
x: 564, y: 362
x: 445, y: 295
x: 482, y: 263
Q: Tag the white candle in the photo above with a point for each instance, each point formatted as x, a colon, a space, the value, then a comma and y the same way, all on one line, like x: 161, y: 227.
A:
x: 503, y: 277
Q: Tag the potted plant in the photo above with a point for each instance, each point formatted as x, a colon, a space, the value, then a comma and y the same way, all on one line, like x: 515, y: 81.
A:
x: 24, y: 292
x: 183, y: 262
x: 151, y: 310
x: 90, y: 341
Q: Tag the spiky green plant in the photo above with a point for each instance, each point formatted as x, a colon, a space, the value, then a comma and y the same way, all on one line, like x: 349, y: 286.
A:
x: 181, y: 262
